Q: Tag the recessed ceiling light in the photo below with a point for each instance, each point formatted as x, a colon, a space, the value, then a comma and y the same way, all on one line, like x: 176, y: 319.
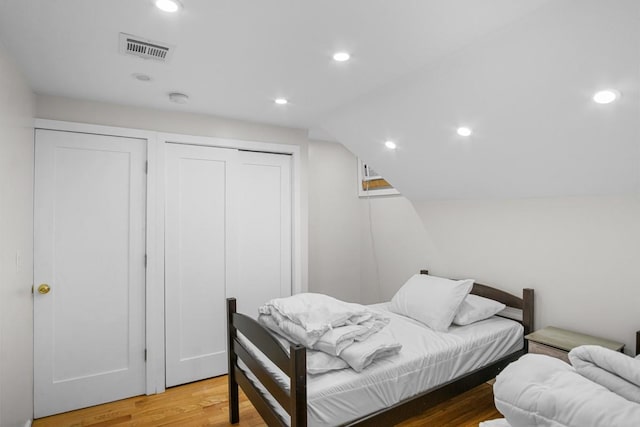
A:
x: 281, y: 101
x: 341, y: 56
x: 141, y: 77
x: 170, y: 6
x: 606, y: 96
x: 178, y: 98
x: 390, y: 145
x: 463, y: 131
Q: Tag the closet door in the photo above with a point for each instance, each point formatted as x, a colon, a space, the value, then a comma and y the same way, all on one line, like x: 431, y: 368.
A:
x: 228, y: 234
x: 260, y: 230
x: 195, y: 262
x: 89, y: 251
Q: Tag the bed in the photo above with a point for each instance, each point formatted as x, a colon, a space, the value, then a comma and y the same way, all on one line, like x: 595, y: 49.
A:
x: 277, y: 384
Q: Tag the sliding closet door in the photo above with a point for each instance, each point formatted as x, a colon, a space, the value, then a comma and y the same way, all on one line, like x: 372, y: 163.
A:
x: 195, y: 262
x: 260, y: 230
x: 227, y: 234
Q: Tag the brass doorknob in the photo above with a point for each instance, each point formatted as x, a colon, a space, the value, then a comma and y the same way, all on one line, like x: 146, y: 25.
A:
x: 44, y: 289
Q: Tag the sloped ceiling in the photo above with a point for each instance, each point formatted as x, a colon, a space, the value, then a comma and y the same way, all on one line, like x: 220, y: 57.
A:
x: 526, y: 93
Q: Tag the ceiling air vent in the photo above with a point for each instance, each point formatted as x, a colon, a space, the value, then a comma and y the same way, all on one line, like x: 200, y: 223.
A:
x: 145, y: 48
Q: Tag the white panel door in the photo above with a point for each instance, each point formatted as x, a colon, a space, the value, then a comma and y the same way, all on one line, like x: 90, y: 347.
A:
x: 195, y: 262
x: 260, y: 230
x: 89, y: 329
x: 227, y: 233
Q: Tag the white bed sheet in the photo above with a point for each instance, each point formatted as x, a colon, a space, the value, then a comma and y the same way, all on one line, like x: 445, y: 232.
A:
x: 427, y: 359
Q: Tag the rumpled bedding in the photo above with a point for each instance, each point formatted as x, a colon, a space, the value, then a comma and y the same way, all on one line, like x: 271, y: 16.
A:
x: 538, y: 390
x: 611, y: 369
x: 360, y: 354
x: 316, y: 313
x: 333, y: 341
x: 318, y: 362
x: 350, y: 332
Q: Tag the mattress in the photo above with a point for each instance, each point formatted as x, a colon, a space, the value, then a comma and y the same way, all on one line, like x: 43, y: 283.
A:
x: 427, y: 359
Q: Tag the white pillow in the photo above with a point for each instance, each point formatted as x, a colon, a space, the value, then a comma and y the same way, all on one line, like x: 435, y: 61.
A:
x: 475, y: 308
x: 431, y: 300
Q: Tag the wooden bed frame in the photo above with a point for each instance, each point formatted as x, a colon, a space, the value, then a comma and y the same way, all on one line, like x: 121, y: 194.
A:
x: 294, y: 400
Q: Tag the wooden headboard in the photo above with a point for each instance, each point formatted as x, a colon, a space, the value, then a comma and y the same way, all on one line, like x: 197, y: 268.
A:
x: 525, y: 303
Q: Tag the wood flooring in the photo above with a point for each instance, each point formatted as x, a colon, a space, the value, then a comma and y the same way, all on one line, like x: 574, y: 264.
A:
x: 204, y: 403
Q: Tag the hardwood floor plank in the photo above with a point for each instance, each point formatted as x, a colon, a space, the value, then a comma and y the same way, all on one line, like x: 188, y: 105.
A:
x: 204, y: 403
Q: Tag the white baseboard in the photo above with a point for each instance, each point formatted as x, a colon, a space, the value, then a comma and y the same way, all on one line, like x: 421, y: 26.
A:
x: 27, y: 423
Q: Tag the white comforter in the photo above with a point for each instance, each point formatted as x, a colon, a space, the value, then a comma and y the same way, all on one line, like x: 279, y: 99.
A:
x: 614, y: 370
x: 316, y: 313
x: 351, y: 332
x: 539, y: 390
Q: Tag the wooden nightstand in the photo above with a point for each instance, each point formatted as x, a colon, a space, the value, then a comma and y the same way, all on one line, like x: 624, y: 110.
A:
x: 556, y: 342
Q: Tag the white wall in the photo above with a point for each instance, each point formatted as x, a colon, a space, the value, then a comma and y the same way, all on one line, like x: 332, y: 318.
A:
x: 580, y: 254
x: 344, y: 260
x: 401, y: 247
x: 16, y: 237
x: 334, y: 222
x: 74, y: 110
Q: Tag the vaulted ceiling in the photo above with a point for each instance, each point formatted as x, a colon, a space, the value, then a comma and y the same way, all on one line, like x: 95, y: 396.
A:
x: 519, y: 73
x: 526, y: 94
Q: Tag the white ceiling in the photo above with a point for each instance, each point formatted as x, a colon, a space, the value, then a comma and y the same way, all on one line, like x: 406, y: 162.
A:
x: 526, y: 93
x: 519, y: 72
x: 234, y: 57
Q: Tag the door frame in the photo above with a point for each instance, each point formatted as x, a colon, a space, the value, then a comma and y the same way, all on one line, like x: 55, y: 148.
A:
x: 154, y: 293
